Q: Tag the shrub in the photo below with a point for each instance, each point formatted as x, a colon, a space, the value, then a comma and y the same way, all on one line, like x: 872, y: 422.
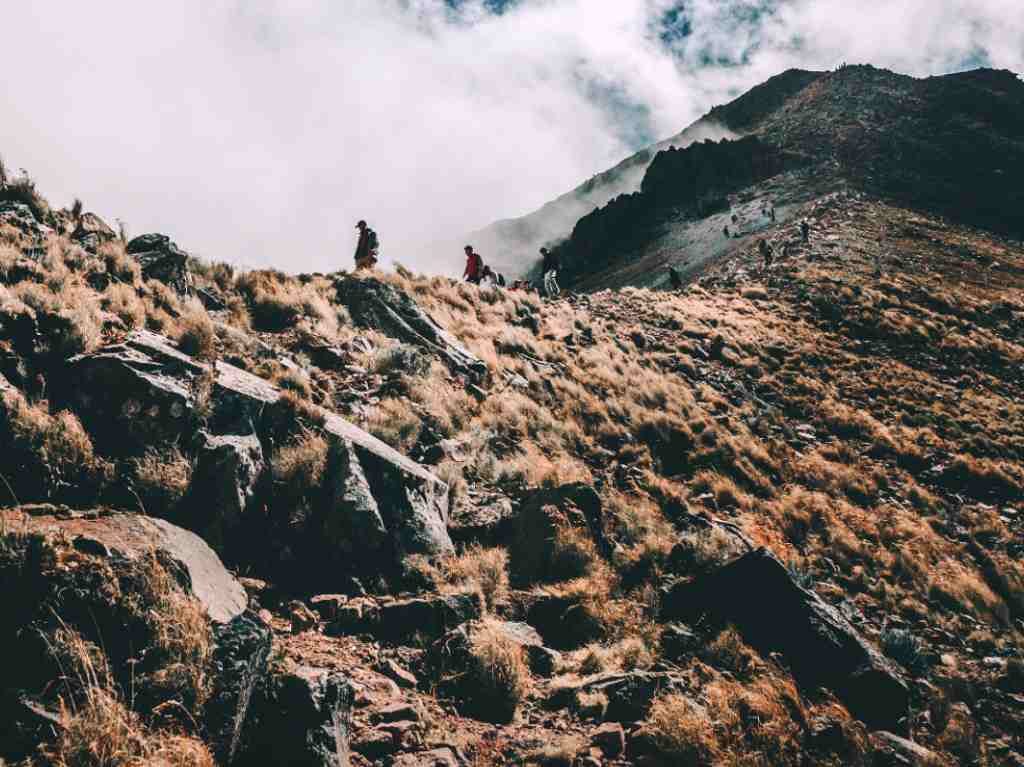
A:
x: 124, y: 301
x: 683, y: 731
x: 295, y: 381
x: 302, y: 464
x: 500, y: 670
x: 482, y: 570
x: 197, y: 336
x: 400, y: 358
x: 119, y: 264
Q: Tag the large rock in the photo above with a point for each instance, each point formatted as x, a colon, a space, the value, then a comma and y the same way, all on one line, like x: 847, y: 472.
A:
x: 161, y: 259
x: 756, y: 593
x: 375, y: 304
x: 239, y: 668
x: 133, y: 536
x: 20, y: 216
x: 227, y: 470
x: 304, y: 720
x: 379, y: 506
x: 91, y: 573
x: 91, y: 231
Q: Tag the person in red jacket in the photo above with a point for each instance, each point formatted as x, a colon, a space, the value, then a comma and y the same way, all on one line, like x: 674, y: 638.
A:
x: 474, y: 266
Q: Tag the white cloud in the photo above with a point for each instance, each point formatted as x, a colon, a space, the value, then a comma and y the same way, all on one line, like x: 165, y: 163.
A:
x: 259, y: 132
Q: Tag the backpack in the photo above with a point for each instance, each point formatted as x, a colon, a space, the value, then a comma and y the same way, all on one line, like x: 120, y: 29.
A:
x: 372, y: 242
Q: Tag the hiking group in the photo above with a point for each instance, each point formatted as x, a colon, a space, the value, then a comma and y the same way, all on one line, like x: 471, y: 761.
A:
x: 476, y: 271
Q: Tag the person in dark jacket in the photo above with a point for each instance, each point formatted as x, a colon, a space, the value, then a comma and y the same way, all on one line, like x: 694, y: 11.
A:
x: 367, y: 247
x: 549, y: 268
x: 805, y: 231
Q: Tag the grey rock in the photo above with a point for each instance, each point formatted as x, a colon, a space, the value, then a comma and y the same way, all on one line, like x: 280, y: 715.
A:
x: 241, y: 652
x: 161, y: 259
x: 375, y: 304
x: 756, y: 593
x: 135, y: 536
x: 894, y: 750
x: 305, y: 720
x: 227, y: 470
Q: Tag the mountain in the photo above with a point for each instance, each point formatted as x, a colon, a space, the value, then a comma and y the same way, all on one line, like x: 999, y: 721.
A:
x: 952, y: 145
x: 514, y: 242
x: 771, y: 515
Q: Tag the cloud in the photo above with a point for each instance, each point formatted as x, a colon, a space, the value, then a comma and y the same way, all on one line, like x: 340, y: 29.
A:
x: 259, y: 132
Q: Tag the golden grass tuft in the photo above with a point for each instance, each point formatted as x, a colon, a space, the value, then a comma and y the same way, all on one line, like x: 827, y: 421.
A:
x: 162, y: 478
x: 499, y: 668
x: 301, y: 464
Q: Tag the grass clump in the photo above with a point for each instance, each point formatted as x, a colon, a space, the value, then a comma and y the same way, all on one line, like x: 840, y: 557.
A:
x: 499, y: 670
x: 162, y: 478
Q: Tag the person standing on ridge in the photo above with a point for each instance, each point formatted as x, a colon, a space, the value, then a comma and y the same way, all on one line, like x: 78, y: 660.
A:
x: 805, y: 231
x: 766, y: 252
x: 549, y: 268
x: 474, y: 266
x: 367, y: 247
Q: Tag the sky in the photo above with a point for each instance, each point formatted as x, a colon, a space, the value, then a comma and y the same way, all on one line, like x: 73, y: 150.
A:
x: 259, y: 131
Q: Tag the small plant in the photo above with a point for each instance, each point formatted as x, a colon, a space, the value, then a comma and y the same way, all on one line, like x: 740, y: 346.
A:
x: 500, y: 671
x: 401, y: 358
x: 904, y: 648
x: 162, y: 477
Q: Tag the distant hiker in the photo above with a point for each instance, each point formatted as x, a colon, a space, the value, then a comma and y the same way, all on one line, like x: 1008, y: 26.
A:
x: 487, y: 275
x: 474, y: 266
x: 549, y: 267
x: 725, y: 231
x: 771, y: 213
x: 501, y: 280
x: 766, y: 252
x: 805, y: 231
x: 735, y: 218
x: 367, y: 248
x: 675, y: 278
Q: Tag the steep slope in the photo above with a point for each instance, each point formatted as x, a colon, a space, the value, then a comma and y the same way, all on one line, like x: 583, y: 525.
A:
x: 772, y: 518
x: 512, y: 244
x: 953, y: 145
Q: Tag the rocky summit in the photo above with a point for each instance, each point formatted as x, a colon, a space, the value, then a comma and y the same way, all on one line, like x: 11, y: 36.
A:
x: 764, y: 509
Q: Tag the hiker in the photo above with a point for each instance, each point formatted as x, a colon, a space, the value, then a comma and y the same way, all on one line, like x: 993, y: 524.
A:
x: 735, y: 218
x: 501, y: 280
x: 771, y: 213
x: 675, y: 278
x: 725, y: 231
x: 488, y: 276
x: 549, y: 267
x: 805, y: 231
x: 474, y: 266
x: 766, y: 252
x: 367, y: 248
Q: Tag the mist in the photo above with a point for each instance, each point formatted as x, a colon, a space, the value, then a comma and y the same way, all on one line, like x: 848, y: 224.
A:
x: 259, y: 133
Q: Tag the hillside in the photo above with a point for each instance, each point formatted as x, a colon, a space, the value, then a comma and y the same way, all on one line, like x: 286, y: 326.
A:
x: 772, y: 517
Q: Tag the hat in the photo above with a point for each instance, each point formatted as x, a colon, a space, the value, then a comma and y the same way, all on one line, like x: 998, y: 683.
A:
x: 360, y: 225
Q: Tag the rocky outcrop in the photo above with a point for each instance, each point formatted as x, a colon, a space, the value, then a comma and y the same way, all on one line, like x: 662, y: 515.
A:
x: 375, y: 304
x: 400, y: 620
x: 106, y: 577
x: 377, y: 507
x: 91, y: 231
x: 626, y: 695
x: 304, y: 719
x: 756, y: 593
x: 161, y: 259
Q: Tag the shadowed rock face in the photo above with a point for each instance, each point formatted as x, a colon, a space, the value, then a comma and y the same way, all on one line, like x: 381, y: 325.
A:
x: 161, y: 259
x: 379, y: 506
x: 375, y: 304
x: 774, y: 614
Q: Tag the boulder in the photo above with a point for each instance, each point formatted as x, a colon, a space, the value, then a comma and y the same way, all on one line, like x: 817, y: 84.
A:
x: 90, y: 573
x: 563, y: 621
x: 485, y: 522
x: 224, y: 483
x: 133, y: 536
x: 379, y: 506
x: 239, y: 666
x: 161, y: 259
x: 428, y: 617
x: 304, y: 719
x: 92, y: 231
x: 894, y: 751
x: 629, y: 694
x: 378, y: 305
x: 756, y: 593
x: 435, y: 757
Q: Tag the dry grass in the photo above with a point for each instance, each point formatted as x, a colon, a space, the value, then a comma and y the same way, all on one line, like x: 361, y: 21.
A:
x: 123, y: 300
x: 481, y: 570
x: 301, y: 464
x: 196, y: 334
x: 162, y: 478
x: 499, y: 669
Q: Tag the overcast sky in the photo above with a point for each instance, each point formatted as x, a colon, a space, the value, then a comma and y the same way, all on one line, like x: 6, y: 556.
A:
x: 259, y: 131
